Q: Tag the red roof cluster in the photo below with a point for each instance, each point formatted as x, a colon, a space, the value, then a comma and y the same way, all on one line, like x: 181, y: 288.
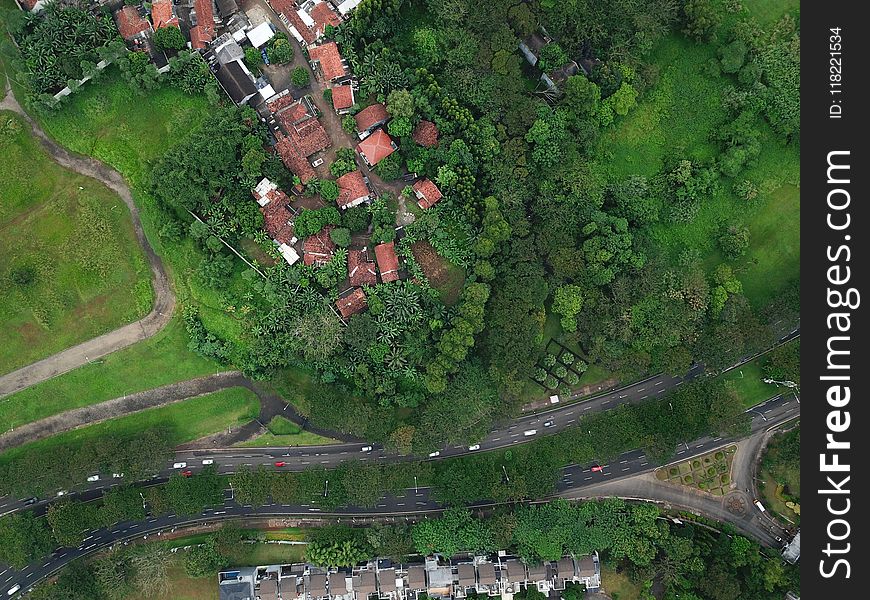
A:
x: 292, y: 159
x: 202, y: 35
x: 426, y: 134
x: 322, y: 14
x: 277, y: 218
x: 342, y: 97
x: 281, y: 102
x: 318, y: 248
x: 427, y: 193
x: 130, y: 22
x: 371, y: 116
x: 351, y: 187
x: 360, y: 270
x: 376, y: 147
x: 388, y: 262
x: 305, y: 135
x: 161, y: 14
x: 330, y: 61
x: 352, y: 304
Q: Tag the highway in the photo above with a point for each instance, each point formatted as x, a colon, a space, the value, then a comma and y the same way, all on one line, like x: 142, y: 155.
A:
x: 414, y: 502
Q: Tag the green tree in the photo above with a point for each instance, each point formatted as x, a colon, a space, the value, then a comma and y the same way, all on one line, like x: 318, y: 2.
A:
x: 24, y: 538
x: 170, y: 38
x: 734, y: 240
x: 400, y: 104
x: 567, y: 302
x: 300, y: 76
x: 328, y: 190
x: 280, y: 51
x: 253, y: 59
x: 700, y: 20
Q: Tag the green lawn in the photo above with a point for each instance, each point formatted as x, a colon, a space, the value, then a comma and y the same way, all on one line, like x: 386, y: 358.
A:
x: 747, y: 381
x: 187, y: 420
x: 157, y: 361
x: 284, y: 432
x: 70, y: 266
x: 617, y: 585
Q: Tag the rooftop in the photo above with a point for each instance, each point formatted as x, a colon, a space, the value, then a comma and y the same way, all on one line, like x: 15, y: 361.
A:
x: 162, y: 13
x: 371, y: 116
x: 329, y: 58
x: 289, y: 153
x: 235, y: 80
x: 352, y: 189
x: 203, y: 33
x: 324, y: 15
x: 376, y: 147
x: 360, y: 270
x: 342, y: 97
x: 130, y: 22
x: 388, y: 261
x: 427, y: 193
x: 318, y: 248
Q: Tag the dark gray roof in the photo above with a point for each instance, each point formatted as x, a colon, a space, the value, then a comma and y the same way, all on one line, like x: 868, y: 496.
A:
x: 516, y: 571
x: 317, y: 585
x: 565, y: 568
x: 364, y: 583
x: 417, y: 577
x: 586, y: 567
x: 239, y: 590
x: 539, y: 572
x: 387, y: 580
x: 486, y: 574
x: 337, y: 583
x: 466, y: 574
x: 268, y: 589
x: 567, y: 70
x: 235, y: 81
x: 227, y: 8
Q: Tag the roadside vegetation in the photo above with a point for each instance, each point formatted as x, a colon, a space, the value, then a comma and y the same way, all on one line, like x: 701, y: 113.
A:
x: 779, y: 475
x: 284, y: 432
x: 70, y: 265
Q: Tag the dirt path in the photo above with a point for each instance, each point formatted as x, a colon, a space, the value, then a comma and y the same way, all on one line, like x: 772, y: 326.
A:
x: 164, y: 298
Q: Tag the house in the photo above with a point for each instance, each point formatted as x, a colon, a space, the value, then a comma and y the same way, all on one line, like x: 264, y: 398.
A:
x: 387, y: 588
x: 370, y: 118
x: 202, y: 32
x: 466, y: 579
x: 327, y: 60
x: 427, y: 193
x: 352, y: 190
x: 792, y: 552
x: 299, y: 133
x: 319, y: 248
x: 315, y: 585
x: 342, y: 99
x: 364, y: 583
x: 360, y: 270
x: 226, y: 9
x: 131, y: 24
x: 345, y: 7
x: 277, y: 217
x: 426, y: 134
x: 376, y: 147
x: 163, y: 14
x: 531, y: 46
x: 349, y: 305
x: 589, y: 572
x: 237, y: 584
x: 237, y: 81
x: 557, y: 77
x: 513, y: 575
x: 31, y: 5
x: 388, y: 261
x: 307, y: 22
x: 261, y: 34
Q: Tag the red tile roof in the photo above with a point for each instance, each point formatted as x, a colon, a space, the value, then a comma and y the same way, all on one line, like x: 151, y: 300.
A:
x: 281, y: 102
x: 324, y: 15
x: 342, y: 97
x: 426, y: 134
x: 388, y: 262
x: 130, y: 22
x: 288, y: 8
x: 330, y: 60
x: 351, y: 187
x: 318, y: 248
x: 310, y: 137
x: 277, y: 217
x: 376, y: 147
x: 371, y: 116
x: 427, y: 192
x: 290, y: 155
x: 352, y: 303
x: 360, y: 270
x: 161, y: 14
x: 202, y: 35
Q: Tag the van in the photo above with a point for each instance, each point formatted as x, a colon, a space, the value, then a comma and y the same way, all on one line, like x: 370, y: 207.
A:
x: 759, y: 506
x: 530, y: 432
x: 179, y: 465
x: 13, y: 589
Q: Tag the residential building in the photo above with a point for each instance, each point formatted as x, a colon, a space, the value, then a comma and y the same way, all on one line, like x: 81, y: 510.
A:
x: 388, y: 261
x: 237, y: 81
x: 163, y: 14
x: 531, y: 46
x: 237, y: 584
x: 226, y: 9
x: 326, y: 61
x: 342, y: 99
x: 792, y: 552
x: 352, y: 190
x: 426, y: 134
x: 345, y: 7
x: 298, y: 132
x: 31, y: 5
x: 131, y: 23
x: 261, y: 34
x: 319, y: 248
x: 370, y: 118
x: 360, y: 270
x: 306, y: 20
x: 202, y: 25
x: 277, y: 217
x: 427, y: 193
x: 376, y: 147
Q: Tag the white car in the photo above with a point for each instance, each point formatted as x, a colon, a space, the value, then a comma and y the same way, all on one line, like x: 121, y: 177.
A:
x: 529, y: 432
x: 117, y: 475
x: 208, y: 461
x: 62, y: 493
x: 366, y: 449
x: 94, y: 478
x: 434, y: 454
x: 474, y: 447
x: 179, y: 465
x: 548, y: 424
x: 13, y: 589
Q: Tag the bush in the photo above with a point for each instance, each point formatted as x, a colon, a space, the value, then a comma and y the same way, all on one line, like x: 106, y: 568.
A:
x: 280, y: 51
x: 341, y: 237
x: 567, y: 358
x: 560, y: 371
x: 300, y: 77
x: 253, y: 59
x: 328, y: 190
x: 327, y: 95
x: 725, y: 479
x: 540, y: 375
x: 23, y: 276
x: 348, y: 123
x: 548, y: 360
x: 552, y: 383
x: 571, y: 378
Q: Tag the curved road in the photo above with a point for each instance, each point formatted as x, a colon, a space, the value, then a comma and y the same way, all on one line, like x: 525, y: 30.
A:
x: 418, y: 502
x: 164, y: 297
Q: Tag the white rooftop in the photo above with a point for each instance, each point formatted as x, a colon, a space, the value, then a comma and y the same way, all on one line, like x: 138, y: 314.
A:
x: 260, y: 34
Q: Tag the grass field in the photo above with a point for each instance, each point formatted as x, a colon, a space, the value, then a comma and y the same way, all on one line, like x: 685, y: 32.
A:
x: 157, y: 361
x: 747, y: 381
x: 284, y: 432
x: 70, y: 266
x: 617, y: 585
x: 186, y: 420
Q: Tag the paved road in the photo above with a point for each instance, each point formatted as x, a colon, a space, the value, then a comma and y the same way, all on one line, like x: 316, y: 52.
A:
x: 577, y: 481
x: 164, y: 297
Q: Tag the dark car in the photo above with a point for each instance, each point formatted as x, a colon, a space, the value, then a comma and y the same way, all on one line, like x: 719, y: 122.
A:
x: 28, y: 501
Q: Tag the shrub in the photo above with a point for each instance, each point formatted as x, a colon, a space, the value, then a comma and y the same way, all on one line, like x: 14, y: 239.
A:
x: 253, y: 59
x: 673, y: 471
x: 560, y: 371
x: 540, y: 375
x: 341, y: 237
x: 572, y: 378
x: 23, y: 276
x: 711, y: 471
x: 567, y: 358
x: 328, y: 190
x: 719, y: 455
x: 348, y: 123
x: 688, y: 479
x: 327, y: 95
x: 725, y: 479
x: 548, y: 360
x: 552, y: 383
x: 300, y: 77
x: 581, y: 366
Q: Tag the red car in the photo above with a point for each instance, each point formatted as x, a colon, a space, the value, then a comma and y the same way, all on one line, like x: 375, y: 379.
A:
x: 186, y: 473
x: 280, y: 463
x: 597, y: 469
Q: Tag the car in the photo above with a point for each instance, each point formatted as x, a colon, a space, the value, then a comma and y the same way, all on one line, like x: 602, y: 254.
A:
x: 62, y: 493
x: 474, y: 447
x: 186, y: 473
x: 548, y: 424
x: 434, y: 454
x: 597, y: 469
x: 28, y: 501
x: 759, y: 506
x: 117, y: 475
x: 179, y: 465
x: 317, y: 162
x: 529, y: 432
x: 13, y: 589
x: 208, y: 461
x: 366, y: 449
x: 94, y: 478
x: 280, y: 463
